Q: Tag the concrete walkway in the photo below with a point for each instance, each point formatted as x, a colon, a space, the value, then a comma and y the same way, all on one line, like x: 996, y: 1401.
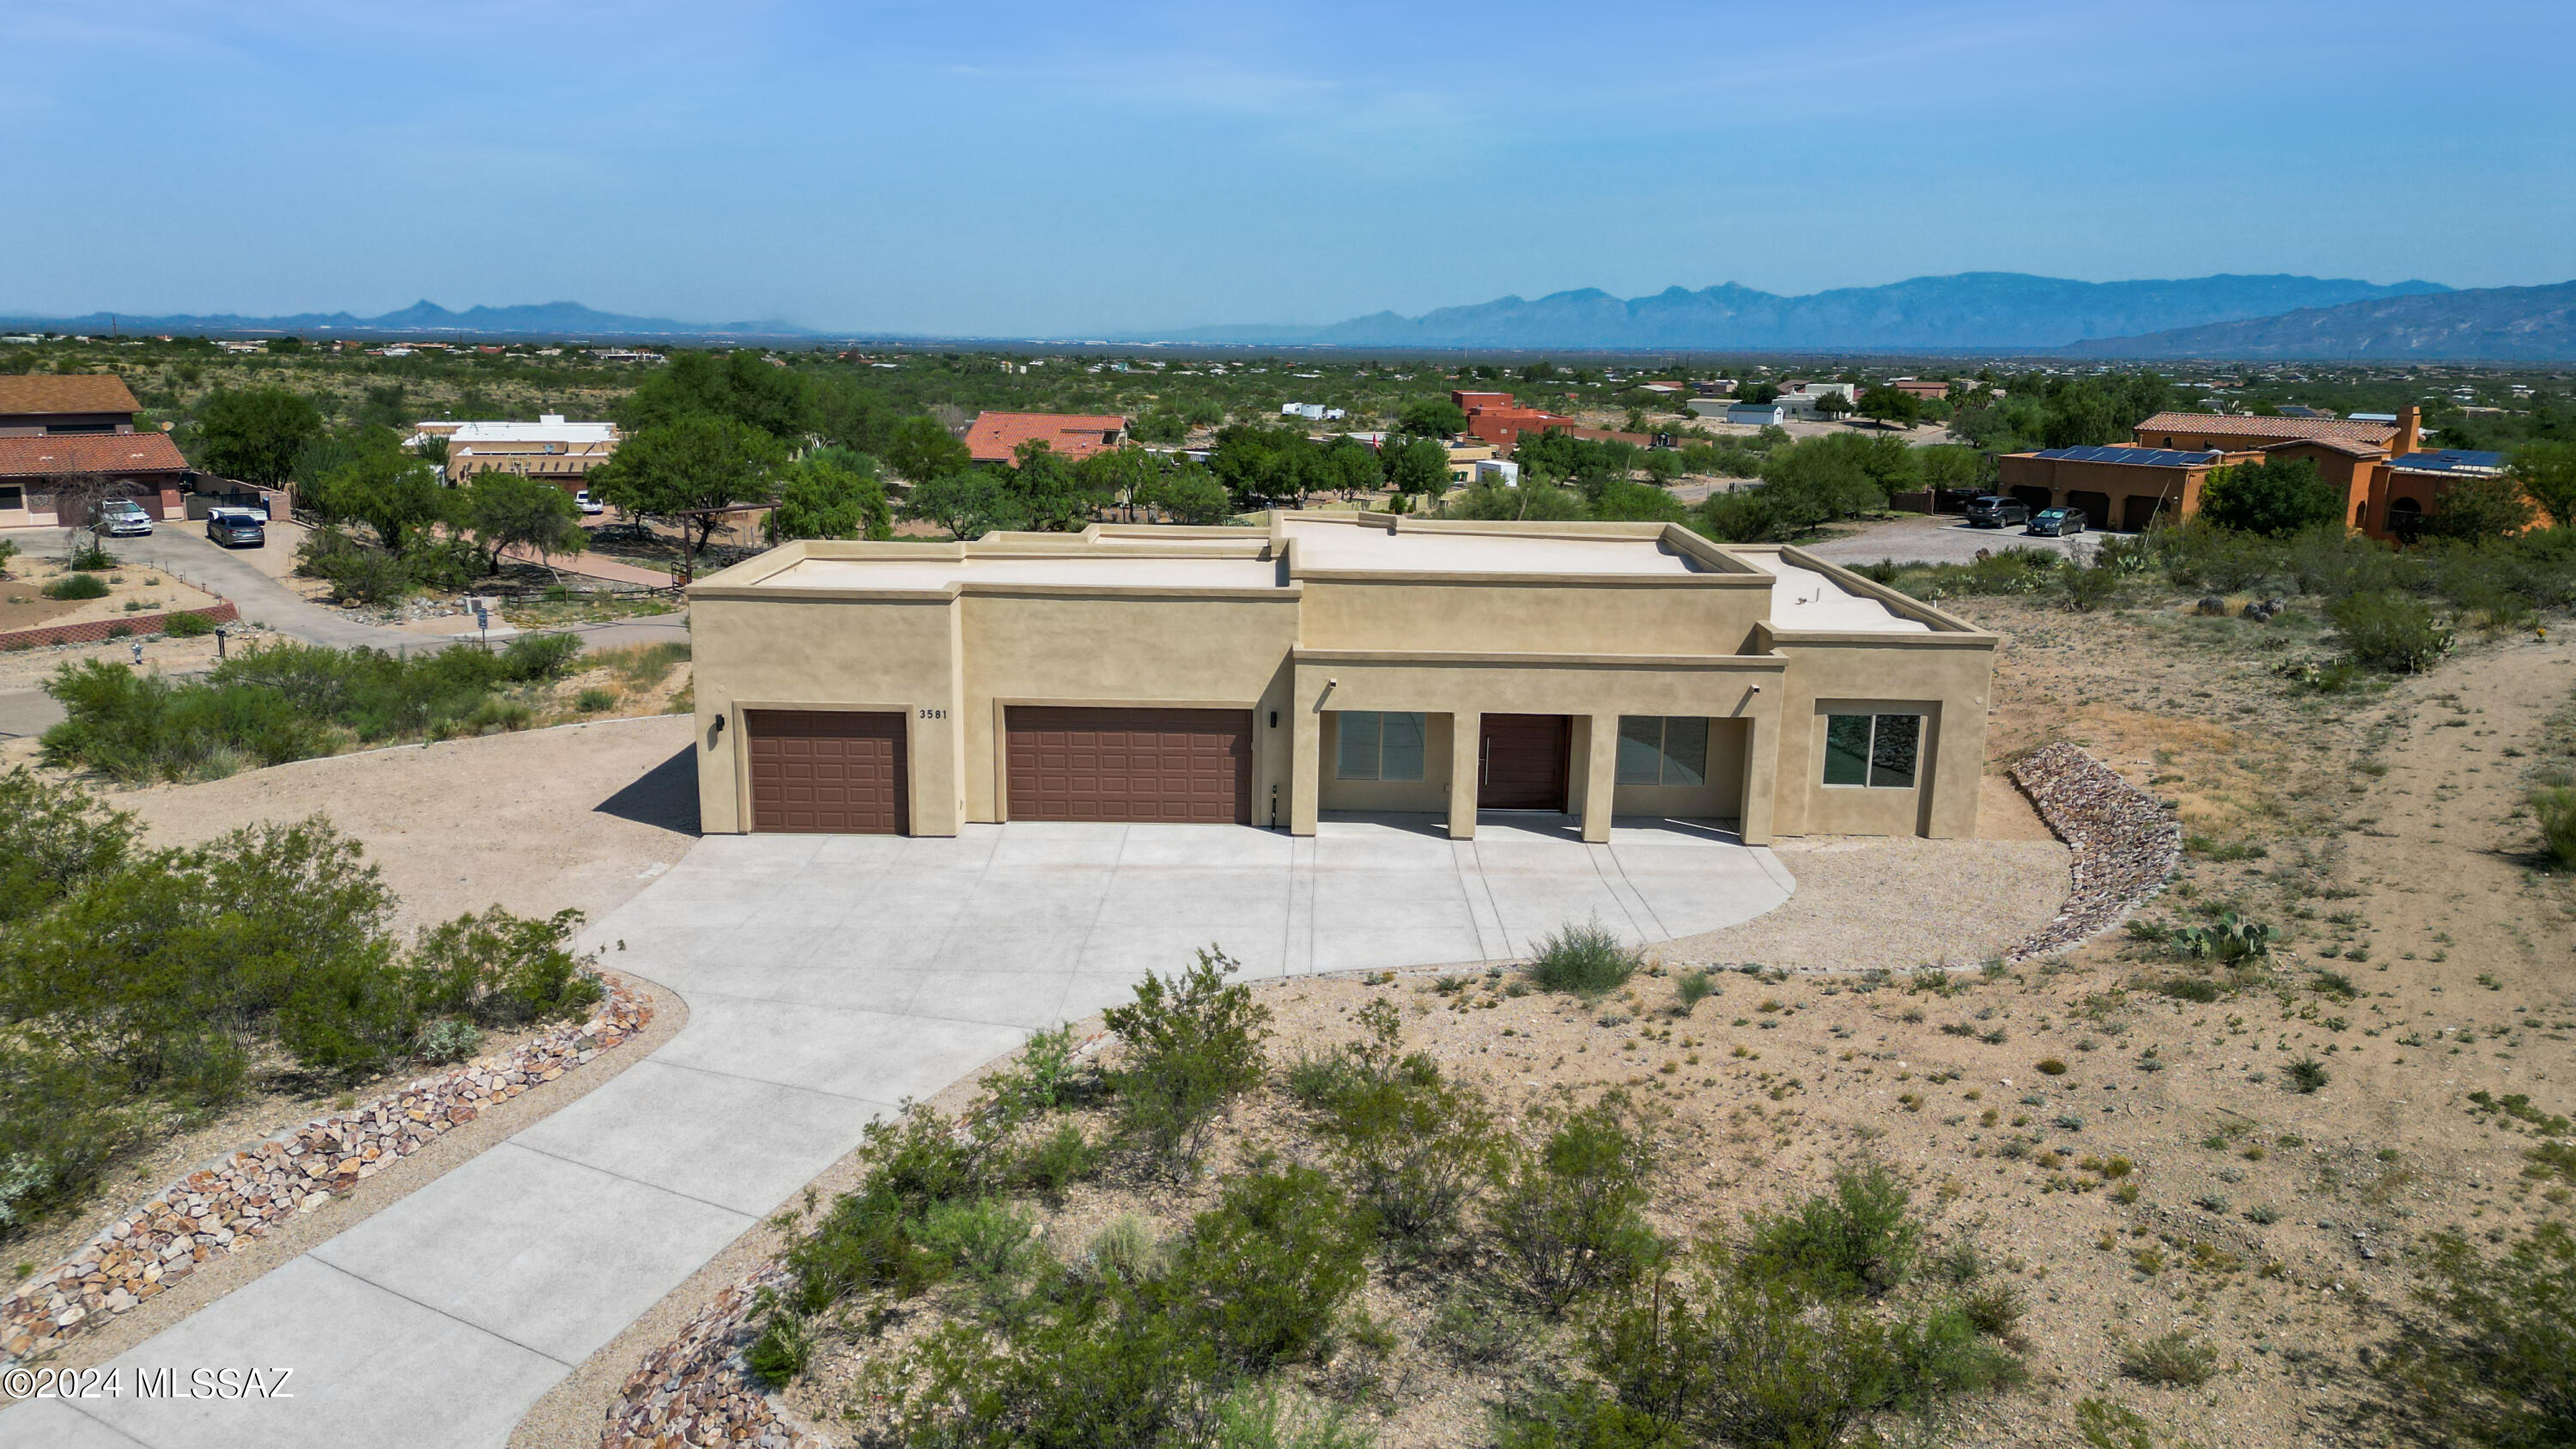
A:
x: 829, y: 978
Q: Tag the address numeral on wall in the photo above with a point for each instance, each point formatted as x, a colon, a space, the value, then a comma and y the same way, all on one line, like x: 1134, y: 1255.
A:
x: 934, y: 714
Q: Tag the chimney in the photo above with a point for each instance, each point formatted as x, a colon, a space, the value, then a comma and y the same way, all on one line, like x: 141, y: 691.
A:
x: 2410, y: 430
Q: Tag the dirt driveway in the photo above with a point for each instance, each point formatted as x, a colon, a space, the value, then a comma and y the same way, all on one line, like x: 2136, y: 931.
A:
x: 1936, y: 538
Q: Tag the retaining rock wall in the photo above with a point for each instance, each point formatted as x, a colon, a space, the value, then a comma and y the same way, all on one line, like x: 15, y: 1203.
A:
x: 2125, y: 842
x: 226, y: 1207
x: 93, y: 631
x: 696, y: 1390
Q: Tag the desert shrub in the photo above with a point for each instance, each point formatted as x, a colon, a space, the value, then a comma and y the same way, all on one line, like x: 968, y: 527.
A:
x: 1857, y: 1241
x: 1694, y: 988
x: 2189, y: 988
x: 1055, y: 1161
x: 1266, y: 1416
x: 1996, y: 1311
x: 1477, y: 1328
x: 2173, y: 1359
x: 1102, y: 1364
x: 53, y: 837
x: 76, y: 586
x: 1566, y: 1213
x: 2088, y: 589
x: 8, y: 551
x: 2199, y: 554
x: 984, y: 1239
x: 448, y: 1039
x: 643, y: 666
x: 532, y: 657
x: 1587, y: 960
x: 2229, y: 939
x: 1410, y: 1144
x: 497, y: 969
x: 187, y: 626
x: 1267, y: 1270
x: 356, y: 573
x: 2554, y: 808
x: 2390, y: 632
x: 91, y: 557
x: 2491, y: 1359
x: 592, y: 701
x: 1192, y: 1045
x: 491, y: 715
x: 2306, y: 1074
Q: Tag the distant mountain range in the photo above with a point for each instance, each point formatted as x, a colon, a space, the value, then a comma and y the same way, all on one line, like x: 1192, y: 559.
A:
x: 543, y: 319
x: 1973, y: 311
x: 2490, y: 324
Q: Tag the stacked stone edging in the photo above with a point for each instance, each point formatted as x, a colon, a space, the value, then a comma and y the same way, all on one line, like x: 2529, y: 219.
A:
x: 93, y: 631
x: 2125, y: 842
x: 225, y: 1207
x: 697, y: 1390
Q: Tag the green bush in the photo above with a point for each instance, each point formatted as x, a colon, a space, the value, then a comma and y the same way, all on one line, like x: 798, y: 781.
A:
x: 1567, y: 1213
x: 1192, y: 1045
x: 448, y: 1039
x: 2554, y: 807
x: 2390, y: 632
x: 91, y: 557
x: 1410, y: 1144
x: 2307, y: 1074
x: 1859, y: 1241
x: 2491, y: 1359
x: 1587, y: 960
x: 2175, y: 1360
x: 1694, y: 988
x: 497, y: 969
x: 1267, y: 1270
x: 357, y: 574
x: 187, y: 626
x: 76, y: 586
x: 592, y: 701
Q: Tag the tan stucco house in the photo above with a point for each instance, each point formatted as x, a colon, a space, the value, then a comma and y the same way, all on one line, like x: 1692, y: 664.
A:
x: 1331, y: 662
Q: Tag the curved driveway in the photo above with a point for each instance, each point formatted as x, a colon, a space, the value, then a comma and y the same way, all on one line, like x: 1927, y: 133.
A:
x: 829, y: 978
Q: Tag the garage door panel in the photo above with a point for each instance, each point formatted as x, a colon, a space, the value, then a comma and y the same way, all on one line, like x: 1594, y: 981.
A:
x: 1155, y: 765
x: 828, y: 772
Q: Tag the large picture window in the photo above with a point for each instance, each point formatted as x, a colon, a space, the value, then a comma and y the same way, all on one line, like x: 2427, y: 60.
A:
x: 1872, y: 749
x: 1659, y: 749
x: 1379, y: 745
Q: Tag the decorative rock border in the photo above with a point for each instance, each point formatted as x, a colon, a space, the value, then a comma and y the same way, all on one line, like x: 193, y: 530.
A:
x: 225, y: 1207
x: 93, y: 631
x: 698, y: 1390
x: 2125, y: 842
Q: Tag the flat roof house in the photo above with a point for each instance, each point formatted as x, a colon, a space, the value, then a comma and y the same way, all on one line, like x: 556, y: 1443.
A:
x: 996, y: 437
x: 562, y: 452
x: 1327, y: 663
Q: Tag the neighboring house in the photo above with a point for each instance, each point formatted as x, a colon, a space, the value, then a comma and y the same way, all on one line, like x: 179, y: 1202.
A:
x: 1467, y: 459
x: 2231, y: 432
x: 1917, y: 387
x: 1311, y: 412
x: 1759, y: 415
x: 1499, y: 419
x: 996, y: 437
x: 2117, y: 487
x: 561, y: 452
x: 1498, y: 470
x: 2409, y: 487
x: 80, y: 428
x: 1325, y: 663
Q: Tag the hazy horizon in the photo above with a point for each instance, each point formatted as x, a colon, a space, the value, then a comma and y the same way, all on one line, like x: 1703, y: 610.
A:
x: 1056, y: 171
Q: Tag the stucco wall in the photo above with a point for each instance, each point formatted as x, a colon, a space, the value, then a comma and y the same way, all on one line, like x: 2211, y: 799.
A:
x: 1694, y: 614
x: 1943, y: 678
x: 1722, y: 798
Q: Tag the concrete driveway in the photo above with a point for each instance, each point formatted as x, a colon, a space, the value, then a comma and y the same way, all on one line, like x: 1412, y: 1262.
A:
x: 828, y: 978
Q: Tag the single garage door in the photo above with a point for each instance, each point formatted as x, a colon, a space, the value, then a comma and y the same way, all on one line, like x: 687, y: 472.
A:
x: 832, y: 772
x: 1180, y: 765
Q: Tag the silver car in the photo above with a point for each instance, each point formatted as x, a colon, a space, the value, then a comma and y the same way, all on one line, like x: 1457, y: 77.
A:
x: 123, y: 518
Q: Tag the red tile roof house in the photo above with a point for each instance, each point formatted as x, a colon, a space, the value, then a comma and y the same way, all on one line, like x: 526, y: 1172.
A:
x: 996, y: 437
x: 52, y: 428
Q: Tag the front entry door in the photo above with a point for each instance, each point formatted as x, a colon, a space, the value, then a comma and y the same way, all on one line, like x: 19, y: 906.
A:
x: 1521, y: 761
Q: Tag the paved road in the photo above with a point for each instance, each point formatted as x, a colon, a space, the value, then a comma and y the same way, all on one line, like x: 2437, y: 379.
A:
x: 828, y: 978
x: 264, y: 601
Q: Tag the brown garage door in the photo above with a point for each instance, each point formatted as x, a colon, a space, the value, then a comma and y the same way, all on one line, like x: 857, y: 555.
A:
x: 832, y: 772
x: 1182, y: 765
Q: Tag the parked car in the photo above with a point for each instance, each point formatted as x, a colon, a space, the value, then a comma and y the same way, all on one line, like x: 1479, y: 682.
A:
x: 2056, y: 522
x: 230, y: 527
x: 123, y: 518
x: 1993, y: 511
x: 587, y: 504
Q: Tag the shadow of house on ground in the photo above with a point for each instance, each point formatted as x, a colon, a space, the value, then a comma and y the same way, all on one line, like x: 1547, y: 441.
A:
x: 665, y: 797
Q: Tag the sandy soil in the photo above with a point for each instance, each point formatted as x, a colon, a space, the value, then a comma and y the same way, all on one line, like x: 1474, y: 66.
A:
x: 579, y: 816
x: 139, y: 589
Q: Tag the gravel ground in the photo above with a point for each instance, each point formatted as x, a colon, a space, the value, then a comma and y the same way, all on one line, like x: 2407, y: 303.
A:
x: 1936, y: 538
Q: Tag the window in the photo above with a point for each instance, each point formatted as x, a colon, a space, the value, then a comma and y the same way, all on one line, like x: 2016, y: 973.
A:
x: 1872, y: 749
x: 12, y: 496
x: 1656, y: 749
x: 1379, y: 746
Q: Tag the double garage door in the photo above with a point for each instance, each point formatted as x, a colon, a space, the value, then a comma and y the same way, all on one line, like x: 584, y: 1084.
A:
x: 838, y: 772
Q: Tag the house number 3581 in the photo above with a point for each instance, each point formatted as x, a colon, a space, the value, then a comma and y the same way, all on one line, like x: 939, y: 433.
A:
x: 934, y: 714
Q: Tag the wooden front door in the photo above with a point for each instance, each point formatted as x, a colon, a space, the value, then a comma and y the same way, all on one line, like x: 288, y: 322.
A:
x: 1521, y: 761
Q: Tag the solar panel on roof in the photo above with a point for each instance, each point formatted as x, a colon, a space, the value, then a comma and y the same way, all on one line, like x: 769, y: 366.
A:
x: 2132, y: 457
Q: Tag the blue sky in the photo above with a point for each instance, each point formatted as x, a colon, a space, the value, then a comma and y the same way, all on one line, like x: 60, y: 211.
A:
x: 1066, y: 169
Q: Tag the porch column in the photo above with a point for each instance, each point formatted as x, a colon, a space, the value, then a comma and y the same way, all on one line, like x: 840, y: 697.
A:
x: 1600, y: 774
x: 1466, y: 730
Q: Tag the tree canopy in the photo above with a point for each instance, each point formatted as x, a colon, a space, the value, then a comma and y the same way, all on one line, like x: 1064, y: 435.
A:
x: 392, y: 492
x: 501, y: 510
x: 1418, y: 466
x: 1431, y: 417
x: 2547, y: 472
x: 2274, y: 497
x: 691, y: 463
x: 742, y: 386
x: 255, y: 434
x: 832, y: 494
x: 920, y: 449
x: 1888, y: 403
